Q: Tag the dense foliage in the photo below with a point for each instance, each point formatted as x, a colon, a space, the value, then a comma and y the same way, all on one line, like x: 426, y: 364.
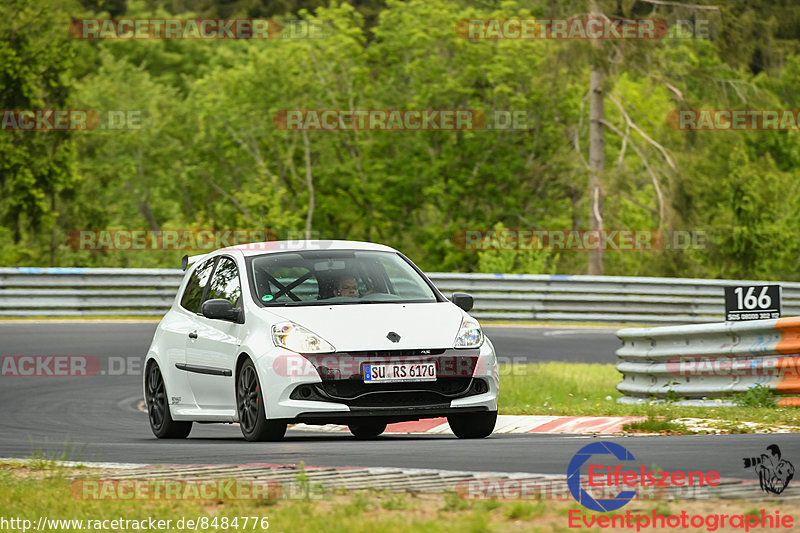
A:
x: 209, y: 155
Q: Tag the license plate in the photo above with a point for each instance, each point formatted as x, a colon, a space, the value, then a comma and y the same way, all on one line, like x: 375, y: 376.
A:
x: 399, y: 372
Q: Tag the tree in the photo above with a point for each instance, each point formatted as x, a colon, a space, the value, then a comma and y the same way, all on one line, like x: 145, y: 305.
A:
x: 36, y: 168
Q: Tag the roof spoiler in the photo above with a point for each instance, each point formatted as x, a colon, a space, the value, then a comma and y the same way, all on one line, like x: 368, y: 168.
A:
x: 186, y: 261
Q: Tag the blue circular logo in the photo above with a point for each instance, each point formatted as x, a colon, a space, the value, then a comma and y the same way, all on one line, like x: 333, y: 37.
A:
x: 574, y: 476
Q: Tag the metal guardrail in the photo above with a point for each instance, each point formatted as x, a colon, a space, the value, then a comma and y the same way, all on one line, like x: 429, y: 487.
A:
x: 555, y: 298
x: 704, y: 364
x: 600, y: 299
x: 87, y: 291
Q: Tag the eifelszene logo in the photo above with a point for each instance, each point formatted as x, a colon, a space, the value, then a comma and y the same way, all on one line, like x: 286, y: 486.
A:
x: 774, y: 473
x: 574, y: 476
x: 604, y: 476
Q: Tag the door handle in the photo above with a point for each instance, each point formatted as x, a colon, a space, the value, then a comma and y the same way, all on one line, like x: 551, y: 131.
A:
x: 193, y: 335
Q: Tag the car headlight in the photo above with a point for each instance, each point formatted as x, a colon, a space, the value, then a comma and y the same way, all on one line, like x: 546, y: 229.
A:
x: 470, y: 335
x: 298, y: 339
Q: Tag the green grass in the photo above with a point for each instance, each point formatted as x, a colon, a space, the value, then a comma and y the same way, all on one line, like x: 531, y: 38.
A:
x: 29, y: 494
x: 42, y: 460
x: 578, y: 389
x: 757, y: 396
x: 655, y: 424
x: 525, y: 510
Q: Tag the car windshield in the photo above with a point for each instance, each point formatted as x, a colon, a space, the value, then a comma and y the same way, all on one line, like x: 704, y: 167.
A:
x: 339, y: 277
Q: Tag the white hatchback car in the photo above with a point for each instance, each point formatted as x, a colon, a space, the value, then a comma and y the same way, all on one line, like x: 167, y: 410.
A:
x: 317, y: 332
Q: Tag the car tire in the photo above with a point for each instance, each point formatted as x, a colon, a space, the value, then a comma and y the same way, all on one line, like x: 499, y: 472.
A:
x: 367, y: 430
x: 473, y: 425
x: 161, y: 422
x: 250, y: 407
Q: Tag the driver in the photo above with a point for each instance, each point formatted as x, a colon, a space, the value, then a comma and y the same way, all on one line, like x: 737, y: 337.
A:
x: 346, y: 285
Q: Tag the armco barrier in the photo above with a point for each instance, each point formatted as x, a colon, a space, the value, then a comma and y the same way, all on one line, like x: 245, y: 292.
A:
x: 87, y: 291
x: 704, y: 364
x: 600, y: 299
x: 556, y: 298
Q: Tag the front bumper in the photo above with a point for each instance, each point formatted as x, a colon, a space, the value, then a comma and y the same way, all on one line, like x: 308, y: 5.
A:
x: 332, y: 387
x: 388, y: 416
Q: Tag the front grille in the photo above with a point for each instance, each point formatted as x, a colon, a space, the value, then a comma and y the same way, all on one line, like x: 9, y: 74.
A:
x: 400, y: 399
x: 353, y: 388
x: 356, y: 393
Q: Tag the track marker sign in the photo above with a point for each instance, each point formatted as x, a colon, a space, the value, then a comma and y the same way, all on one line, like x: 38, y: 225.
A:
x: 752, y: 302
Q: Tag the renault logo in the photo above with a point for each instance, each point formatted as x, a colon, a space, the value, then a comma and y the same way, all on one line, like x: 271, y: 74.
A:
x: 392, y: 336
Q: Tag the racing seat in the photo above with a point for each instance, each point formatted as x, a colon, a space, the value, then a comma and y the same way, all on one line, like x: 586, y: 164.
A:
x: 325, y: 287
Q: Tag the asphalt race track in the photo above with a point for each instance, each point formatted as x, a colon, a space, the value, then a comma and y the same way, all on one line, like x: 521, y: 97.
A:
x: 95, y: 418
x: 570, y: 345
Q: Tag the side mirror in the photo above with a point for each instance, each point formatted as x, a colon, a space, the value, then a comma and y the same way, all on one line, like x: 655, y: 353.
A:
x: 220, y: 309
x: 463, y: 300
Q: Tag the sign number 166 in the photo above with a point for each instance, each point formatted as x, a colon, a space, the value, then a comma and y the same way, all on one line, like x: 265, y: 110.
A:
x: 749, y: 301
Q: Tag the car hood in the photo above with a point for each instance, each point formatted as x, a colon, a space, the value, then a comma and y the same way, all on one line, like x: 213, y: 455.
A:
x: 366, y: 326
